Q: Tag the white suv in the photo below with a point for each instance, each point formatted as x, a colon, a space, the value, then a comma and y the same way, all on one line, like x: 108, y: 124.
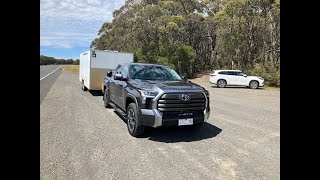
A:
x: 224, y: 78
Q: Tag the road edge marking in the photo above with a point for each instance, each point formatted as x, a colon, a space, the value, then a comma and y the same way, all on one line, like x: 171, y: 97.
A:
x: 50, y: 73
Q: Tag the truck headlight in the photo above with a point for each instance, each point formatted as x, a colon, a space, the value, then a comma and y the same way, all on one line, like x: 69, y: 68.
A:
x: 147, y: 94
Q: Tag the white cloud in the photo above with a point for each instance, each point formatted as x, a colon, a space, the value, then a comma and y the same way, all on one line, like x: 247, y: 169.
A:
x: 73, y: 23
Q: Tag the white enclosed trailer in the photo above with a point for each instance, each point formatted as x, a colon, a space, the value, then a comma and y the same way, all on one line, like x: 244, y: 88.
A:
x: 94, y: 64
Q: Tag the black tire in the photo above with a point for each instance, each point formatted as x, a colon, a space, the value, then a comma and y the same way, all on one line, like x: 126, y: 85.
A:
x: 106, y: 99
x: 133, y: 124
x: 221, y: 83
x: 83, y: 87
x: 253, y: 84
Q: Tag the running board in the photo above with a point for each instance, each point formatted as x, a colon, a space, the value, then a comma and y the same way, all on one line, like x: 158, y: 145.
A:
x: 122, y: 113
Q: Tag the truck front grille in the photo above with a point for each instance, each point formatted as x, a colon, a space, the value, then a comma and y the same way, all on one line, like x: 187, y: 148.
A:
x: 173, y: 102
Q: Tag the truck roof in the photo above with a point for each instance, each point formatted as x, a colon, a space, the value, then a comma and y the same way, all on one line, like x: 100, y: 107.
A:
x: 145, y: 64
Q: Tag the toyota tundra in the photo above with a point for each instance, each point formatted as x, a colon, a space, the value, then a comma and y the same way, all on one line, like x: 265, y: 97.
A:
x: 154, y: 95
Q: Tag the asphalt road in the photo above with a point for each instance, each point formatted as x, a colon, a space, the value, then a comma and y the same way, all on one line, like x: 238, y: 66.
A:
x: 80, y: 139
x: 48, y: 75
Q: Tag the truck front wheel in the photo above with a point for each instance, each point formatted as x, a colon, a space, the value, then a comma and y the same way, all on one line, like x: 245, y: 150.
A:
x: 132, y: 121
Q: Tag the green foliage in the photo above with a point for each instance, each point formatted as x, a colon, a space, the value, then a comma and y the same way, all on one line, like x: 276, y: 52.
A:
x: 165, y: 61
x: 195, y: 36
x: 106, y: 27
x: 185, y: 57
x: 45, y: 60
x: 76, y: 62
x: 270, y: 73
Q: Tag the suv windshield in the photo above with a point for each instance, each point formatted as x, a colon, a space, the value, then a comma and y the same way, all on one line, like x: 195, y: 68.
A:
x: 153, y: 72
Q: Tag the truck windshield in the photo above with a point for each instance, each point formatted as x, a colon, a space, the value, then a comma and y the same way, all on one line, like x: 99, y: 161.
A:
x: 152, y: 72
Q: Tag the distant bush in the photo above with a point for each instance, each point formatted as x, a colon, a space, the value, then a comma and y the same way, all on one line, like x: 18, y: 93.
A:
x: 76, y: 62
x: 45, y: 60
x: 270, y: 74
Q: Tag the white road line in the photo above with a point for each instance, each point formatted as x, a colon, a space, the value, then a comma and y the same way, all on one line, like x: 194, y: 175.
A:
x: 49, y: 74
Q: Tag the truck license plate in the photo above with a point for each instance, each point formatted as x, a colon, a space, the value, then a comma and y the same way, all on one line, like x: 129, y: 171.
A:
x: 183, y: 122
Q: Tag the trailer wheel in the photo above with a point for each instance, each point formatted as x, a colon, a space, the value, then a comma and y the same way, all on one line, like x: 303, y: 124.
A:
x: 83, y: 87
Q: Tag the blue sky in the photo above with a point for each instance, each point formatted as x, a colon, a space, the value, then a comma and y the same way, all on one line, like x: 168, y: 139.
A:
x: 67, y: 27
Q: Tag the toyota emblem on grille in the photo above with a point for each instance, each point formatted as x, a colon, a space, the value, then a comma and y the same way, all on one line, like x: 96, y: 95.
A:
x: 185, y: 97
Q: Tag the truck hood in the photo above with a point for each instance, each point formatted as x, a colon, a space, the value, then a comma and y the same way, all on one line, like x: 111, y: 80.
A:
x: 166, y: 85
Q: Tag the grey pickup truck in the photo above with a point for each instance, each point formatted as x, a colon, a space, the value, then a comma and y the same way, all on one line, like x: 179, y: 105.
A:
x: 154, y: 95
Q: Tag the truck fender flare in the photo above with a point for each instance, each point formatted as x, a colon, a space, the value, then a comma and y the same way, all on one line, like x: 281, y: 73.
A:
x: 133, y: 97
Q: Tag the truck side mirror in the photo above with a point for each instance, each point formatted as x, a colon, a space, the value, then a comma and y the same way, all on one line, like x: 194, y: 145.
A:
x: 184, y: 76
x: 109, y: 74
x: 118, y: 76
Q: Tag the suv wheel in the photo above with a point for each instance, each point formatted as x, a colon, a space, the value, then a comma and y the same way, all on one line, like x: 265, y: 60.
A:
x: 132, y: 121
x: 254, y: 84
x: 222, y: 83
x: 106, y: 99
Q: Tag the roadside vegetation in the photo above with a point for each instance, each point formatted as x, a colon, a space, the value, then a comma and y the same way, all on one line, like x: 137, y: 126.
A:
x: 45, y: 60
x: 197, y: 36
x: 73, y: 69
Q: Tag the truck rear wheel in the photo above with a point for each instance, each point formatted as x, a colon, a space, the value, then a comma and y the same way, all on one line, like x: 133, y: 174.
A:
x: 83, y: 87
x: 133, y: 125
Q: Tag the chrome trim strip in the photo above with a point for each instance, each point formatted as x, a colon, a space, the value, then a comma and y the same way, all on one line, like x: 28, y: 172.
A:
x: 157, y: 118
x: 157, y: 114
x: 206, y: 112
x: 147, y: 112
x: 182, y: 91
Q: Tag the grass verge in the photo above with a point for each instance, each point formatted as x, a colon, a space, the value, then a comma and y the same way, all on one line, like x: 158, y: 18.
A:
x: 270, y: 88
x: 72, y: 69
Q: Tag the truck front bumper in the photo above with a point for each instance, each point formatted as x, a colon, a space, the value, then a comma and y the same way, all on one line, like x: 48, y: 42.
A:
x: 155, y: 118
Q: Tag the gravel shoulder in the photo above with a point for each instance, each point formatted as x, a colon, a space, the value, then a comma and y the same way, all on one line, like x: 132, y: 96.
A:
x: 80, y: 139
